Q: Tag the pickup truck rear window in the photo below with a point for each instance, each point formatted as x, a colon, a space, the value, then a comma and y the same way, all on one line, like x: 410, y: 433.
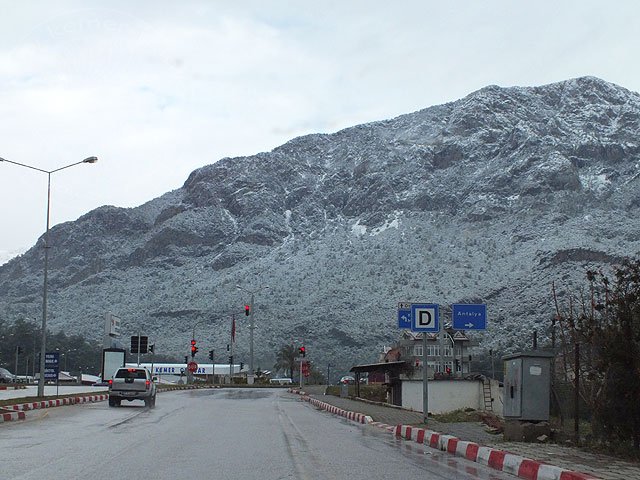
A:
x: 131, y: 374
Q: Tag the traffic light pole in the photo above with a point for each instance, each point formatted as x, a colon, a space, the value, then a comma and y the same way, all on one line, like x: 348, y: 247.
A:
x: 16, y: 366
x: 251, y: 327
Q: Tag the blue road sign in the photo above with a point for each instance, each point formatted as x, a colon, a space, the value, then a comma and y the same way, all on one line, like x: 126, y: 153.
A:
x: 404, y: 319
x: 467, y: 316
x: 404, y: 315
x: 424, y: 317
x: 51, y: 365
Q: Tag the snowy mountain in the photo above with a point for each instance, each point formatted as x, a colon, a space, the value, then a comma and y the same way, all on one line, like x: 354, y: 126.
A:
x: 486, y: 199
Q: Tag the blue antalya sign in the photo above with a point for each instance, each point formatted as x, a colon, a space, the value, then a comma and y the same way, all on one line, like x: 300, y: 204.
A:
x: 468, y: 316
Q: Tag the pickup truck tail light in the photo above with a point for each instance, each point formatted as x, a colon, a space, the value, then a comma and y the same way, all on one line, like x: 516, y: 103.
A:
x: 110, y: 382
x: 148, y: 384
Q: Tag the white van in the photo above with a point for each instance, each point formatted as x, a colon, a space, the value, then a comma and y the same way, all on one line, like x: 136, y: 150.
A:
x: 280, y: 381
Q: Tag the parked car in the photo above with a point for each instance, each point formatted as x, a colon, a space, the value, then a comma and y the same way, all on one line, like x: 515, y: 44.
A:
x: 6, y: 376
x: 132, y: 383
x: 347, y: 379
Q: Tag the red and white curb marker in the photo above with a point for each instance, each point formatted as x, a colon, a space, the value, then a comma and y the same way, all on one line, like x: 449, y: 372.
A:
x: 356, y: 417
x: 491, y: 457
x: 16, y: 412
x: 497, y: 459
x: 6, y: 416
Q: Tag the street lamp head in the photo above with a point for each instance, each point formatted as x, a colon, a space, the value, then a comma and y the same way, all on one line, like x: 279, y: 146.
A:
x: 90, y: 160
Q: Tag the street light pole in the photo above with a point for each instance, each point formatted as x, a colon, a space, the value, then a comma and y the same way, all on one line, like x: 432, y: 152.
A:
x: 43, y: 341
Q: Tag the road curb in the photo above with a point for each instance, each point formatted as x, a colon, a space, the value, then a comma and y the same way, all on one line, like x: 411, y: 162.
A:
x: 20, y: 408
x: 353, y: 416
x: 497, y: 459
x: 9, y: 416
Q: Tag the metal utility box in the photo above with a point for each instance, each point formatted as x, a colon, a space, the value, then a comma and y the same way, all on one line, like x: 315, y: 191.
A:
x: 527, y: 386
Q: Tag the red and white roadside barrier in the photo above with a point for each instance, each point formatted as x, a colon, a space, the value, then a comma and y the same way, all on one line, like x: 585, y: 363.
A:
x: 16, y: 412
x: 356, y: 417
x: 58, y: 402
x: 496, y: 459
x: 491, y: 457
x: 7, y: 416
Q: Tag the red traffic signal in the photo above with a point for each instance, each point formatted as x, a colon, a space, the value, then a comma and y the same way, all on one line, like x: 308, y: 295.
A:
x: 194, y: 350
x: 302, y: 352
x: 193, y: 342
x: 247, y: 310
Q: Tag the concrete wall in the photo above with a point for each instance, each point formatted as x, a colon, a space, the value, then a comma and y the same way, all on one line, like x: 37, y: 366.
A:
x: 445, y: 395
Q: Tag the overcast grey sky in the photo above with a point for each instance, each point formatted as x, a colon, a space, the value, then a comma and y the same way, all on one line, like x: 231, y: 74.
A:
x: 156, y: 89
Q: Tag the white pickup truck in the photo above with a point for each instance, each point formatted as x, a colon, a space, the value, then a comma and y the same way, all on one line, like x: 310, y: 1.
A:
x: 132, y: 383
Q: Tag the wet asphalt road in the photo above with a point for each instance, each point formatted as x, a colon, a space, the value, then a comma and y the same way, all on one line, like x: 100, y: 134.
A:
x: 221, y: 434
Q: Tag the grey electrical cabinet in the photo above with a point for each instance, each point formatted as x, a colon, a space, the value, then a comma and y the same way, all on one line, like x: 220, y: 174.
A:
x: 527, y: 386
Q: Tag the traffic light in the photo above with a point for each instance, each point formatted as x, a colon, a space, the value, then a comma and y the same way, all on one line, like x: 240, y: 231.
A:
x: 241, y: 365
x: 194, y: 349
x: 247, y: 310
x: 18, y: 350
x: 186, y: 359
x: 211, y: 355
x: 302, y: 351
x: 144, y: 344
x: 230, y: 359
x: 139, y: 344
x: 152, y: 347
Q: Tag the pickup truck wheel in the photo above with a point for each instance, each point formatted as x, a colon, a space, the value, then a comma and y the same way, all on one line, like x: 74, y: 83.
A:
x: 112, y: 402
x: 153, y: 402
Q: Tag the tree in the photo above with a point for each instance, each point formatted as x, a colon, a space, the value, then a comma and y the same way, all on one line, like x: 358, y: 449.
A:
x: 604, y: 320
x: 286, y: 360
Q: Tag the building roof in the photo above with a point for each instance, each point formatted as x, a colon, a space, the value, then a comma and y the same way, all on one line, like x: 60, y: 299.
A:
x: 379, y: 367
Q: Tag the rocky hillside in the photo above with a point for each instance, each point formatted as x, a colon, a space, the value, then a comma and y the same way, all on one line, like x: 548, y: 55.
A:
x: 486, y: 199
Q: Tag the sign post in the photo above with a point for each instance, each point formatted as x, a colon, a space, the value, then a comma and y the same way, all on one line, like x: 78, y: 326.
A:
x: 425, y: 319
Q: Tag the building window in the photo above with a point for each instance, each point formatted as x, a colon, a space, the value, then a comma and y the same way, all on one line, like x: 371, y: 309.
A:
x: 448, y: 351
x: 458, y: 365
x: 417, y: 350
x: 448, y: 366
x: 435, y: 366
x: 433, y: 350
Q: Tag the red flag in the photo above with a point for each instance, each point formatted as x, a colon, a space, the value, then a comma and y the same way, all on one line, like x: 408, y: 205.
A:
x: 233, y: 330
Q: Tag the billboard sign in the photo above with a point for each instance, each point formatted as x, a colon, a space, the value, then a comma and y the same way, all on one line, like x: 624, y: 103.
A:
x: 112, y: 359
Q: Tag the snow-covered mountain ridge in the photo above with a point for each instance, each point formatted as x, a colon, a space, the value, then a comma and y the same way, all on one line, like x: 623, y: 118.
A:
x: 487, y: 199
